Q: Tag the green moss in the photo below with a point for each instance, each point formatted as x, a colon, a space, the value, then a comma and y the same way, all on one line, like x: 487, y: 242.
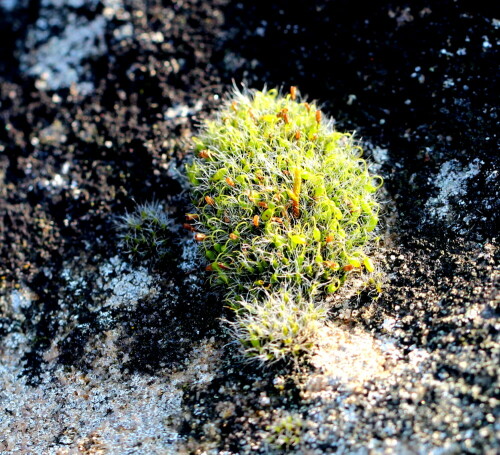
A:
x: 146, y: 232
x: 282, y: 199
x: 285, y: 433
x: 278, y: 326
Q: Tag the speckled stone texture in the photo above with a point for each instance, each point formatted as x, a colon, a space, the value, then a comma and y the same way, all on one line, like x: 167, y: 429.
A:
x: 100, y: 354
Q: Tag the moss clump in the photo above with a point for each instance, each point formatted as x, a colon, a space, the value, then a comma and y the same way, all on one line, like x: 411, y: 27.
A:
x: 277, y: 326
x: 285, y: 432
x: 146, y: 232
x: 282, y: 199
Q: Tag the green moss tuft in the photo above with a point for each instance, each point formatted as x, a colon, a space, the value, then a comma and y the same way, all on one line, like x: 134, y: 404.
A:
x: 146, y: 232
x: 278, y: 326
x: 283, y: 200
x: 285, y: 432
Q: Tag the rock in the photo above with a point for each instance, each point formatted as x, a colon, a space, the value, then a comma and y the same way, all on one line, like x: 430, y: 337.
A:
x: 102, y: 354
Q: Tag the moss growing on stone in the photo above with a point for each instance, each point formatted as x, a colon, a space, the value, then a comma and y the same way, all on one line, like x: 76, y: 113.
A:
x: 282, y: 201
x: 146, y: 232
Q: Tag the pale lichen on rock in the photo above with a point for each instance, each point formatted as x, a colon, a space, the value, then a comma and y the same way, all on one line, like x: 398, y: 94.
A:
x: 451, y: 182
x: 59, y: 61
x: 101, y: 355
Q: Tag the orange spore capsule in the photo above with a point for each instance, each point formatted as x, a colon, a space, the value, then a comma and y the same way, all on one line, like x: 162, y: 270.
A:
x: 348, y: 267
x: 188, y: 227
x: 297, y: 135
x: 205, y: 154
x: 199, y: 237
x: 229, y: 181
x: 192, y: 216
x: 209, y: 268
x: 293, y: 92
x: 318, y: 116
x: 284, y: 115
x: 329, y: 238
x: 209, y: 200
x: 262, y: 204
x: 256, y: 219
x: 233, y: 236
x: 282, y: 112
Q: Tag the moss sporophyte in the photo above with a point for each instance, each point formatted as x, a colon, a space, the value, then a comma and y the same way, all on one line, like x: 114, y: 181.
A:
x: 285, y: 212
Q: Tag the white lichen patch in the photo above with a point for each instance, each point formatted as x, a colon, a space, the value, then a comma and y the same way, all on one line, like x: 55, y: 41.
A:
x: 20, y: 299
x: 57, y: 60
x: 13, y: 304
x: 451, y: 181
x: 190, y: 255
x: 378, y: 158
x: 104, y: 411
x: 127, y: 285
x: 380, y: 155
x: 183, y: 110
x: 105, y: 408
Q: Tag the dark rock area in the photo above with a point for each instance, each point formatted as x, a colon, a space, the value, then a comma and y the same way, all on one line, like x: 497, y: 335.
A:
x: 103, y: 354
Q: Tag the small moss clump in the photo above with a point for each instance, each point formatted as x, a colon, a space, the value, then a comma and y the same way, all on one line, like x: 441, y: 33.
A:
x: 283, y: 201
x: 277, y: 326
x: 145, y: 233
x: 285, y: 433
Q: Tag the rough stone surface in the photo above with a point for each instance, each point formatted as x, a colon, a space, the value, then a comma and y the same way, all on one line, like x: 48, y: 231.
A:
x: 101, y: 354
